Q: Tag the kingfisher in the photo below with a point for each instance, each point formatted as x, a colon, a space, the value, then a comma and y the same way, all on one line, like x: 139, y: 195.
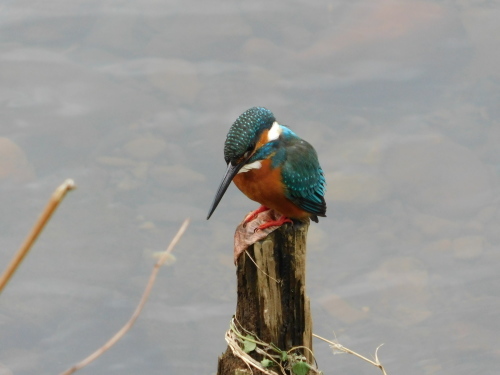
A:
x: 273, y: 166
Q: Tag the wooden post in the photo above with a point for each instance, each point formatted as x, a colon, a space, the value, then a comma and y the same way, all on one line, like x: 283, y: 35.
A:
x: 276, y: 312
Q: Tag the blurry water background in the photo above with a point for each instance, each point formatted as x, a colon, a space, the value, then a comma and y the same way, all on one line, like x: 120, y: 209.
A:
x: 133, y: 100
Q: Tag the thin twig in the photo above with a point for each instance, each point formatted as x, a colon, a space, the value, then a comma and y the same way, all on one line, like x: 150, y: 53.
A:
x: 139, y: 307
x: 55, y: 199
x: 342, y: 348
x: 238, y: 352
x: 236, y: 341
x: 260, y: 269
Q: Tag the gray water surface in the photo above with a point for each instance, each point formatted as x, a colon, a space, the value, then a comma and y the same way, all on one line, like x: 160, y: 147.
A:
x: 133, y: 101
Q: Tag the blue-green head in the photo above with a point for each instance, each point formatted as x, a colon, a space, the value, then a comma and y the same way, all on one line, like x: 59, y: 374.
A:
x: 241, y: 141
x: 245, y: 132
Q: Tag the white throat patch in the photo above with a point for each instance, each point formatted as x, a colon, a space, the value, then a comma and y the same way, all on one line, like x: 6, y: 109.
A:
x: 255, y: 165
x: 274, y: 132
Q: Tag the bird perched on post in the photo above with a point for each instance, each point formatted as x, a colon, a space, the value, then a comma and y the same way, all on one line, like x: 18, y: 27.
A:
x: 271, y: 165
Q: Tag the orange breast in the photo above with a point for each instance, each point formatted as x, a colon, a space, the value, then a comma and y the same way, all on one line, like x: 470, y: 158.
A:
x: 264, y: 185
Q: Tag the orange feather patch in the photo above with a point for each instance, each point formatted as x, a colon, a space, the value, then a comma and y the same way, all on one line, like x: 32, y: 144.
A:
x: 264, y: 185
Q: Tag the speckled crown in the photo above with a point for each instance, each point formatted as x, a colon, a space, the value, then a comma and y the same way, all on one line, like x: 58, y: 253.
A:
x: 245, y: 131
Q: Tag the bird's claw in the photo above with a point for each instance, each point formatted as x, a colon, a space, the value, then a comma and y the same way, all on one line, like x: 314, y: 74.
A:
x: 252, y: 215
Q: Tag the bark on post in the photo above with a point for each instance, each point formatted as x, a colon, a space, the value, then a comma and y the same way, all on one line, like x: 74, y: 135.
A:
x: 277, y: 313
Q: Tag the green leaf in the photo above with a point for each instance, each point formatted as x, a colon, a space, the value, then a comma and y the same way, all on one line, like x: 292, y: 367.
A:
x: 249, y: 345
x: 284, y: 356
x: 266, y: 362
x: 300, y: 368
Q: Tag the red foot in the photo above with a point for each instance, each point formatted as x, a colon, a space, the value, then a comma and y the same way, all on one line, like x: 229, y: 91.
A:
x: 282, y: 220
x: 252, y: 215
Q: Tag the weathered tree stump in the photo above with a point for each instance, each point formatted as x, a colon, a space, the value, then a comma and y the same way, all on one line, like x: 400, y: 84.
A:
x: 276, y: 312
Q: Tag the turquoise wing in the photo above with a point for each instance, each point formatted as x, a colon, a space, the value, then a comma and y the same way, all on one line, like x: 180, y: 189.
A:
x: 303, y: 178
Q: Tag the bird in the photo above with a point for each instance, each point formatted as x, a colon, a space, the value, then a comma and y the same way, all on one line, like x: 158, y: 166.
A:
x: 273, y: 166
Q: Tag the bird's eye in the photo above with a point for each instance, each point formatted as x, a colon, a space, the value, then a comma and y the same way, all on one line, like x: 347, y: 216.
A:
x: 246, y: 154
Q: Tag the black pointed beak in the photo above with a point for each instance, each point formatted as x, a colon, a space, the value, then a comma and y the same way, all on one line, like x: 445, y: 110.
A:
x: 231, y: 171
